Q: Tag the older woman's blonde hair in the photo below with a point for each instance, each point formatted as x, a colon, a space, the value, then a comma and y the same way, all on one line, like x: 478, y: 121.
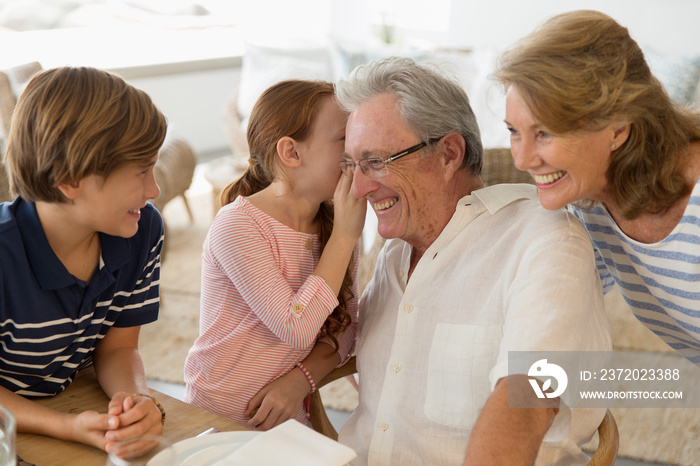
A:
x: 581, y: 69
x: 72, y: 122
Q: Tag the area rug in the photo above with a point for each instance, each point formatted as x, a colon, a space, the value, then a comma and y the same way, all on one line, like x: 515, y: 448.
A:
x: 665, y: 436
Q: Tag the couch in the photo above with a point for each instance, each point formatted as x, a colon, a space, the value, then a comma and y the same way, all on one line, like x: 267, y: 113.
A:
x: 264, y: 65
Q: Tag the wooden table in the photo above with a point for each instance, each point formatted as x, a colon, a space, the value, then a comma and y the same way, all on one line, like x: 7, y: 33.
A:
x: 182, y: 421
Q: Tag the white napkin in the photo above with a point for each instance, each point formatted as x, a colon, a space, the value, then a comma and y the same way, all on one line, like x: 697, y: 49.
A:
x: 290, y: 443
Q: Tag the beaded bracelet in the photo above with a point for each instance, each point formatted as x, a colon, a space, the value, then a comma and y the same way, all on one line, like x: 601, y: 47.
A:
x: 158, y: 405
x: 308, y: 376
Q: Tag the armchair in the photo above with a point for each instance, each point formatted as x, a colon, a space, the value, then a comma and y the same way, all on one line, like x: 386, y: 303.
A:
x: 4, y: 184
x: 12, y: 81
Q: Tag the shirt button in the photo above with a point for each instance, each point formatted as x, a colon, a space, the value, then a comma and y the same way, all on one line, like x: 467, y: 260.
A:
x: 397, y: 368
x: 408, y: 308
x: 298, y: 308
x: 384, y: 426
x: 309, y: 244
x: 402, y: 273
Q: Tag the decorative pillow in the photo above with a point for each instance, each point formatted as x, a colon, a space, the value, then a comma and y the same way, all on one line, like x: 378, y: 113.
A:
x: 679, y: 75
x: 695, y: 99
x: 488, y: 100
x: 471, y: 68
x: 346, y: 57
x: 264, y: 66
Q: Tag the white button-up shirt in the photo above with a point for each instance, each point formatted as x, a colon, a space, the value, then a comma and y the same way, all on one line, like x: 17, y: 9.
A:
x: 504, y: 275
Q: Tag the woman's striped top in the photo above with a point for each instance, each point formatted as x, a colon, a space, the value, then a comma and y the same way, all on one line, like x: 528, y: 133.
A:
x: 261, y: 309
x: 659, y: 281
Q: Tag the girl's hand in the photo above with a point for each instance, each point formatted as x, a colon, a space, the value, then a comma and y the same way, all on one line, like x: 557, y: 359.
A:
x: 278, y: 401
x: 349, y: 215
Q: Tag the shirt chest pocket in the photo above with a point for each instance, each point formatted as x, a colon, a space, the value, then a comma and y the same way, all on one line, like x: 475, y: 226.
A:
x: 461, y: 357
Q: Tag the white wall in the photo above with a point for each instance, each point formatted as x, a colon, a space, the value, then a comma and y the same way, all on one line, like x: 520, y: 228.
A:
x: 670, y: 26
x: 193, y: 102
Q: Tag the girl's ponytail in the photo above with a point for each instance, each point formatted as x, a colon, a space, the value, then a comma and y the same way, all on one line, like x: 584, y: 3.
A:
x: 253, y: 180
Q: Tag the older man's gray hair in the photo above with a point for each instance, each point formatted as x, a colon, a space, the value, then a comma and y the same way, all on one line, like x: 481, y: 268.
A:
x: 430, y: 103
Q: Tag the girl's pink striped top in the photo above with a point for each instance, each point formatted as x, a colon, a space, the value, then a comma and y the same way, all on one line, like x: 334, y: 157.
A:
x: 261, y: 309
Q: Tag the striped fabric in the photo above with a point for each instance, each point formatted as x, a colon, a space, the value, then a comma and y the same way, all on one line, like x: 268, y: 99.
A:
x: 660, y: 281
x: 51, y: 322
x: 261, y: 309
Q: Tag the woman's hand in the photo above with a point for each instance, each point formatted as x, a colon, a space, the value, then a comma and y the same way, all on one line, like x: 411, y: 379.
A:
x: 278, y: 401
x: 349, y: 211
x: 137, y: 416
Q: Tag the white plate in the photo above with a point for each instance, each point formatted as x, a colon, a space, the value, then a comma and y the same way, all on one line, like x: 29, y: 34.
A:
x: 205, y: 450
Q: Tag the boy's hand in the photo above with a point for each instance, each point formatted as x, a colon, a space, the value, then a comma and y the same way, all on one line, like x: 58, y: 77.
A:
x: 137, y: 416
x: 89, y: 427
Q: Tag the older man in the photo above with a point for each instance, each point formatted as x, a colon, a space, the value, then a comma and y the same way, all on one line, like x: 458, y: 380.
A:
x: 471, y: 274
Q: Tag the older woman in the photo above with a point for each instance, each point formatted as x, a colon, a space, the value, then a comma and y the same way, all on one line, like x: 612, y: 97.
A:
x: 596, y: 130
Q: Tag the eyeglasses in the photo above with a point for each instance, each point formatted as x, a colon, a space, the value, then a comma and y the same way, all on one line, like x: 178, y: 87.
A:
x: 375, y: 167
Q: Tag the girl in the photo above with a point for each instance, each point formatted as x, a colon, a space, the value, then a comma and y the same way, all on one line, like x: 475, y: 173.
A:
x: 278, y: 278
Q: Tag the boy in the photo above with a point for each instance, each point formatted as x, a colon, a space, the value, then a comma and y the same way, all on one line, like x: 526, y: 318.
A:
x: 80, y: 252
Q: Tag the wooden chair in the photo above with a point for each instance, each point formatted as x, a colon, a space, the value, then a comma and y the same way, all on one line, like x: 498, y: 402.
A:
x: 608, y: 442
x: 4, y: 183
x: 174, y: 172
x: 500, y: 168
x: 319, y: 419
x: 608, y: 436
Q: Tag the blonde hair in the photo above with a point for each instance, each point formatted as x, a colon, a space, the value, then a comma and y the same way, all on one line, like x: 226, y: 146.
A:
x: 581, y: 69
x: 289, y: 108
x: 73, y: 122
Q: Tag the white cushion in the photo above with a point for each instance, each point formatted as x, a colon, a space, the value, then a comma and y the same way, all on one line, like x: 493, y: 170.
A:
x: 264, y: 66
x: 695, y: 99
x: 678, y: 74
x: 347, y: 56
x: 472, y: 69
x: 488, y: 100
